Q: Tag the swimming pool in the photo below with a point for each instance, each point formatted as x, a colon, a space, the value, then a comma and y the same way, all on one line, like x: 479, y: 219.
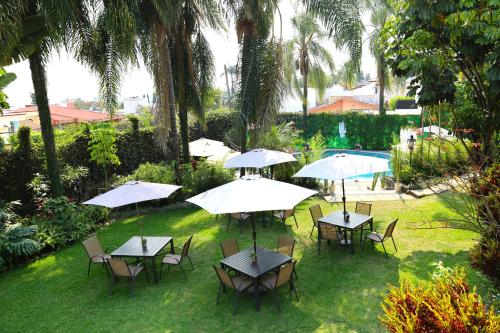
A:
x: 378, y: 154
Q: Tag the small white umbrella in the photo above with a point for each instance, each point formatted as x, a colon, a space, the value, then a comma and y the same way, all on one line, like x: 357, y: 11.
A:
x: 206, y: 147
x: 251, y: 194
x: 341, y: 166
x: 133, y: 192
x: 224, y: 156
x: 259, y: 158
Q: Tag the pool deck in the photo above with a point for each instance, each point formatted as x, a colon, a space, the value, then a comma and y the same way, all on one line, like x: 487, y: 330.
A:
x: 359, y: 191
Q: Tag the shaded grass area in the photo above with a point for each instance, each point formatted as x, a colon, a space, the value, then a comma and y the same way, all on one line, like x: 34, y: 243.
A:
x: 339, y: 292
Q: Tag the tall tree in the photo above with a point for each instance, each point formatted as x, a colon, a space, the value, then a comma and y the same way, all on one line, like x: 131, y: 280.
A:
x: 306, y: 55
x: 261, y: 66
x: 31, y: 30
x: 379, y: 12
x: 443, y: 44
x: 192, y: 61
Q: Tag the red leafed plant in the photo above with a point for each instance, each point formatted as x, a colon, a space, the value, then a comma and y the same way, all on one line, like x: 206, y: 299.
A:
x: 444, y: 305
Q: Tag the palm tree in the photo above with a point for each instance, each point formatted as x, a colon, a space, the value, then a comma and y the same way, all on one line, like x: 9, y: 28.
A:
x: 31, y: 30
x: 261, y: 76
x: 192, y: 62
x: 380, y: 11
x: 123, y: 30
x: 305, y: 54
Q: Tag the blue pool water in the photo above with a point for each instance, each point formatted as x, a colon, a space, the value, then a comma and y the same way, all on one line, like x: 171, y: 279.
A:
x: 378, y: 154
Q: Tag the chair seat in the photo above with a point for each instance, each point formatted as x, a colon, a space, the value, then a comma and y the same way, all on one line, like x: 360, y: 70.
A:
x: 100, y: 258
x: 172, y: 259
x: 375, y: 236
x: 269, y: 281
x: 241, y: 282
x: 135, y: 269
x: 244, y: 216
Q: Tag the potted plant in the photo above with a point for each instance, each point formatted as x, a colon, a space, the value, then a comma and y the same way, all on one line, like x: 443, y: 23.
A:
x: 396, y: 167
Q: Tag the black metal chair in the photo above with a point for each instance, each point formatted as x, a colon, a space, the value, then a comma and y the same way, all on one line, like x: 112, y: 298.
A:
x: 316, y: 214
x: 237, y: 283
x: 364, y: 208
x: 120, y: 269
x: 375, y: 237
x: 284, y: 214
x: 275, y: 281
x: 177, y: 259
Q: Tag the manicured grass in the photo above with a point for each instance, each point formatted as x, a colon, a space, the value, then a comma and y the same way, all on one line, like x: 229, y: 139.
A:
x: 339, y: 292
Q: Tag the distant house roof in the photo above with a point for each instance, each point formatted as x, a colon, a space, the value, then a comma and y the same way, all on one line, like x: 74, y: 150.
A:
x: 66, y: 114
x: 343, y: 104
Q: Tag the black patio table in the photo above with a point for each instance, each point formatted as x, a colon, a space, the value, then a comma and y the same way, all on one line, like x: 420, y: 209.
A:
x: 133, y: 248
x: 267, y: 261
x: 337, y: 219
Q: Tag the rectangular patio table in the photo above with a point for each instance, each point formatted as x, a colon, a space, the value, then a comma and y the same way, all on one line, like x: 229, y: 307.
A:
x: 337, y: 219
x: 267, y: 261
x: 133, y: 248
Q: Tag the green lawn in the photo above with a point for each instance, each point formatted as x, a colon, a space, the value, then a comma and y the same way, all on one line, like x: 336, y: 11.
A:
x: 339, y: 292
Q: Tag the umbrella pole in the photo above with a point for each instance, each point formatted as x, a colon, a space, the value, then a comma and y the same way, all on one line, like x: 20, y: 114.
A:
x: 254, y: 235
x: 343, y: 196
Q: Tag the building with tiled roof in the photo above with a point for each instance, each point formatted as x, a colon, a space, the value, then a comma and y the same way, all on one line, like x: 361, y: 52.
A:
x: 60, y: 114
x: 343, y: 104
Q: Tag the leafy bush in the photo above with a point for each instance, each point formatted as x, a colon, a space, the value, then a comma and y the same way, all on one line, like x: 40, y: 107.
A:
x: 393, y: 102
x: 485, y: 189
x: 281, y: 137
x: 207, y: 176
x: 16, y: 240
x: 447, y: 304
x: 61, y: 222
x: 371, y: 131
x: 149, y: 172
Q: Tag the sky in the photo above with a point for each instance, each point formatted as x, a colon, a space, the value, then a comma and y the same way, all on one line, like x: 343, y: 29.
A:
x: 68, y: 79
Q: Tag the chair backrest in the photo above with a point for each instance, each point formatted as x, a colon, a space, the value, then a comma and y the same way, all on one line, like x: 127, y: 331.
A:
x: 328, y: 231
x: 224, y: 277
x: 363, y: 208
x: 229, y: 247
x: 288, y: 212
x: 390, y: 229
x: 284, y: 274
x: 185, y: 248
x: 93, y: 247
x: 285, y: 246
x: 119, y: 267
x: 316, y: 213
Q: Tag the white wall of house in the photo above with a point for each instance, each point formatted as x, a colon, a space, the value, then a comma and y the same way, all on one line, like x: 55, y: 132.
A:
x: 131, y: 104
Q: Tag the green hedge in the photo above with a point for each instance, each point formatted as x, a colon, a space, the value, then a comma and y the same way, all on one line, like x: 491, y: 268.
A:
x: 218, y: 123
x: 371, y: 131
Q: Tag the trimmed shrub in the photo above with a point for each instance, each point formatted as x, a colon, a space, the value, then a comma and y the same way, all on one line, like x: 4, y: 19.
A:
x: 149, y: 172
x: 371, y: 131
x: 393, y: 102
x: 218, y: 123
x: 447, y: 304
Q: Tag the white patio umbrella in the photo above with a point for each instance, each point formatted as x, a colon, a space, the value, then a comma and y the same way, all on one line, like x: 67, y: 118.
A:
x: 206, y: 147
x: 251, y: 194
x: 259, y: 158
x: 223, y: 156
x: 341, y: 166
x: 133, y: 192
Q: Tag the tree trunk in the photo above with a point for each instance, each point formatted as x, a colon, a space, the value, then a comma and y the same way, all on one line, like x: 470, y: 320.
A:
x: 381, y: 83
x: 227, y: 87
x: 172, y: 108
x: 182, y: 96
x: 40, y: 86
x: 304, y: 101
x: 246, y: 99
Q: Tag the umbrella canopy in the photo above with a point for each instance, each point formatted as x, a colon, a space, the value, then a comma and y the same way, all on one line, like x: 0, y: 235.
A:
x: 341, y: 166
x: 223, y: 156
x: 259, y: 158
x: 133, y: 192
x: 251, y: 194
x: 206, y: 147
